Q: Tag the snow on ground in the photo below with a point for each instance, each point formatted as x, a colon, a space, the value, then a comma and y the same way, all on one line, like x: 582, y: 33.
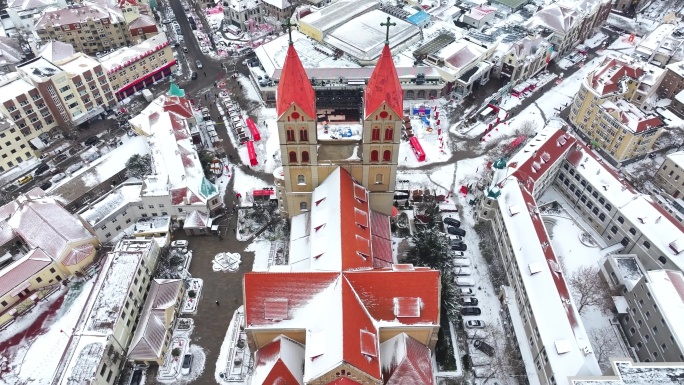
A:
x: 262, y: 251
x: 595, y: 40
x: 435, y: 145
x: 227, y: 349
x: 269, y: 138
x: 199, y: 359
x: 248, y: 89
x: 35, y: 361
x: 246, y: 183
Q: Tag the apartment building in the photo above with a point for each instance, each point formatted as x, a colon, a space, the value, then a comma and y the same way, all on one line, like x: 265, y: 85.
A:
x: 131, y: 69
x: 115, y: 211
x: 653, y: 310
x: 625, y: 371
x: 607, y: 112
x: 673, y: 81
x: 278, y: 9
x: 660, y: 46
x: 19, y: 15
x: 670, y: 175
x: 537, y: 303
x: 243, y: 13
x: 11, y: 54
x: 97, y: 349
x: 524, y: 59
x: 14, y: 148
x: 89, y: 27
x: 41, y: 245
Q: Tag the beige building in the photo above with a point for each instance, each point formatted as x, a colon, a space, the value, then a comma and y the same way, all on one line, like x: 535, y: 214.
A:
x: 606, y: 110
x: 41, y: 245
x: 670, y: 175
x: 14, y: 146
x: 131, y: 69
x: 313, y: 143
x: 97, y: 349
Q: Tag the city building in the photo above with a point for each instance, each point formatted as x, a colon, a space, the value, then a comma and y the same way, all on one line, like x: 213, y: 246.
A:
x: 41, y: 245
x: 524, y: 59
x: 152, y: 337
x: 131, y: 69
x: 673, y: 81
x: 14, y: 147
x: 606, y: 109
x: 55, y: 51
x: 245, y: 14
x: 336, y: 314
x: 314, y: 142
x: 118, y: 209
x: 19, y: 15
x: 278, y: 9
x: 509, y: 6
x: 670, y: 175
x: 550, y: 332
x: 11, y: 54
x: 660, y: 47
x: 652, y: 310
x: 479, y: 16
x: 626, y: 371
x: 97, y: 347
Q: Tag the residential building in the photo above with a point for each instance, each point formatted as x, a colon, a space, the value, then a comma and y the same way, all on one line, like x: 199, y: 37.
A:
x: 509, y: 6
x: 626, y: 371
x: 606, y: 109
x: 550, y: 331
x: 245, y: 14
x: 55, y: 51
x: 673, y: 81
x: 309, y: 150
x: 97, y: 347
x: 277, y: 9
x: 152, y: 337
x: 177, y: 185
x: 14, y: 147
x: 336, y: 313
x: 131, y: 69
x: 479, y: 16
x: 41, y: 245
x: 670, y: 175
x: 524, y: 59
x: 11, y: 54
x: 19, y: 15
x: 114, y: 212
x: 660, y: 47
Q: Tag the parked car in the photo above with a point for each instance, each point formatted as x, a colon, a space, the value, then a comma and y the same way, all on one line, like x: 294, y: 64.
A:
x: 198, y: 63
x: 187, y: 363
x: 471, y: 311
x: 185, y: 49
x: 58, y: 177
x: 60, y: 158
x: 462, y: 262
x: 45, y: 186
x: 136, y: 378
x: 456, y: 231
x: 468, y: 301
x: 483, y: 372
x: 484, y: 347
x: 74, y: 167
x: 464, y: 281
x: 459, y: 254
x: 90, y: 141
x: 194, y: 75
x: 462, y: 271
x: 180, y: 244
x: 41, y: 169
x: 24, y: 179
x: 474, y: 324
x: 452, y: 222
x: 465, y: 291
x: 459, y: 247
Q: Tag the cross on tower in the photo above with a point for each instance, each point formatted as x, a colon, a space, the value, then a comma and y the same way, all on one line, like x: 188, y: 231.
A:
x: 388, y: 25
x: 289, y: 26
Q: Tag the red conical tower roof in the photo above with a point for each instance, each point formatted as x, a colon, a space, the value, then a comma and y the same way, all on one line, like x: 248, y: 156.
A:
x: 384, y: 86
x: 295, y: 86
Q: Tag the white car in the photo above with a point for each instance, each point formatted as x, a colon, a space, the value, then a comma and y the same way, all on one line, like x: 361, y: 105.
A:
x: 459, y: 254
x: 465, y: 291
x: 464, y: 281
x: 74, y: 167
x: 475, y: 324
x: 187, y: 364
x: 57, y: 177
x: 462, y: 262
x: 180, y: 244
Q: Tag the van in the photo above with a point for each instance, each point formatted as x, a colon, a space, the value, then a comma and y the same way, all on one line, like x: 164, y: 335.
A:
x: 464, y: 281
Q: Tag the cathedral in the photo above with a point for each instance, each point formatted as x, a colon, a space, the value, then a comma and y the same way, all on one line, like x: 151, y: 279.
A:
x: 362, y: 139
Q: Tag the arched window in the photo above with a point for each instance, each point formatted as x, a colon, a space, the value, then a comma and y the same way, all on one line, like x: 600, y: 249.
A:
x: 301, y: 179
x: 389, y: 134
x: 410, y: 94
x: 290, y: 135
x: 378, y: 178
x: 433, y: 94
x: 305, y: 156
x: 387, y: 156
x: 303, y: 135
x: 421, y: 94
x: 375, y: 134
x: 303, y: 206
x: 374, y: 156
x: 293, y: 157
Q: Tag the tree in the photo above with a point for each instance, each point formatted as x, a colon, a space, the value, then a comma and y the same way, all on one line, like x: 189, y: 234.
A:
x: 431, y: 249
x: 590, y: 289
x: 138, y: 166
x: 606, y: 345
x: 526, y: 128
x: 506, y: 364
x: 206, y: 158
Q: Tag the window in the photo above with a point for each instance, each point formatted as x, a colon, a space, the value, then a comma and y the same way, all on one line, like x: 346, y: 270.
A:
x: 3, y: 303
x: 302, y: 206
x: 293, y: 157
x: 662, y: 260
x: 389, y: 134
x: 103, y: 370
x: 602, y: 216
x: 378, y: 178
x: 648, y: 314
x: 655, y: 329
x: 387, y: 156
x: 305, y: 156
x: 303, y: 135
x: 301, y: 179
x: 647, y: 337
x: 290, y: 135
x: 52, y: 270
x: 632, y: 331
x: 647, y: 245
x: 614, y: 229
x: 626, y: 318
x: 39, y: 280
x: 602, y: 201
x: 374, y: 156
x: 375, y: 134
x: 632, y: 231
x: 621, y: 219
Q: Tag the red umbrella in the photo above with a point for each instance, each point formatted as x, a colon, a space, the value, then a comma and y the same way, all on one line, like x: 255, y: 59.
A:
x: 395, y: 212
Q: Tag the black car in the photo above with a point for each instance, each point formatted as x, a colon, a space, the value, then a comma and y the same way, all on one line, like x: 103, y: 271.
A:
x: 46, y: 185
x: 42, y: 168
x: 459, y: 247
x: 61, y: 158
x: 92, y: 140
x: 470, y: 311
x: 456, y: 231
x: 452, y: 222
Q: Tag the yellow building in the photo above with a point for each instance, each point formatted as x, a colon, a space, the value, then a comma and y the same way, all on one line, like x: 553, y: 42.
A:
x: 131, y: 69
x: 314, y: 142
x: 14, y: 146
x: 41, y: 244
x: 605, y: 111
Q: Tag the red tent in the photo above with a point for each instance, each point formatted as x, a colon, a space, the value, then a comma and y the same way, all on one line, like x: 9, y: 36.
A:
x: 417, y: 149
x: 253, y: 129
x: 252, y: 153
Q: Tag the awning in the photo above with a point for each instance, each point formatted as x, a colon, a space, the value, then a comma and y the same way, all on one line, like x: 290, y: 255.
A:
x: 37, y: 143
x: 136, y: 81
x: 253, y: 129
x: 261, y: 193
x: 417, y: 149
x: 251, y: 152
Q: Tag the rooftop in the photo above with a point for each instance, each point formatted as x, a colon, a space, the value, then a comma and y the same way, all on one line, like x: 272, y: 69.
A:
x: 87, y: 354
x: 667, y: 287
x: 676, y: 158
x: 78, y: 63
x: 125, y: 54
x: 627, y: 372
x: 630, y: 115
x: 14, y: 87
x: 111, y: 203
x: 56, y: 50
x: 82, y: 12
x: 39, y: 69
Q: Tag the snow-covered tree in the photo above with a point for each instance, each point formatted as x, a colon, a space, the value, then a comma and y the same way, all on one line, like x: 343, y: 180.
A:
x: 606, y: 345
x: 590, y: 289
x: 139, y: 166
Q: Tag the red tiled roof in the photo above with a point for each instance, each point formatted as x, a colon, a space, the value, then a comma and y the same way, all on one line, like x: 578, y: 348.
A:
x: 295, y: 87
x: 269, y: 358
x: 178, y: 105
x: 382, y: 251
x: 604, y: 81
x: 384, y: 87
x: 380, y: 224
x: 544, y: 156
x: 413, y: 368
x: 23, y: 269
x: 344, y: 381
x: 356, y: 321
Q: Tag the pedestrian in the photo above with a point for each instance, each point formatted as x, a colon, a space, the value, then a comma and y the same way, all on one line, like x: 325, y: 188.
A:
x: 234, y: 209
x: 205, y: 74
x: 235, y: 298
x: 234, y: 231
x: 220, y: 238
x: 217, y: 303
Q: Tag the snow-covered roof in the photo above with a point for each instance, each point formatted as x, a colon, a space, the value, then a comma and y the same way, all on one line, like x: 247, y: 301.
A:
x: 630, y: 116
x: 280, y: 361
x: 39, y: 69
x: 197, y: 220
x: 667, y: 288
x: 22, y: 269
x: 14, y: 86
x: 148, y: 341
x: 654, y: 40
x: 558, y: 18
x: 627, y: 372
x: 88, y: 351
x: 338, y: 13
x: 56, y: 50
x: 676, y: 158
x: 628, y: 269
x: 80, y: 13
x: 124, y: 54
x: 480, y: 12
x: 78, y: 63
x: 280, y: 4
x: 29, y: 4
x: 405, y: 359
x: 10, y: 51
x: 109, y: 205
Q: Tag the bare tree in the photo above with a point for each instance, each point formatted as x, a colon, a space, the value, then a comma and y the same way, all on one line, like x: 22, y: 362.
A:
x: 606, y: 345
x: 590, y: 289
x: 526, y: 128
x: 505, y: 364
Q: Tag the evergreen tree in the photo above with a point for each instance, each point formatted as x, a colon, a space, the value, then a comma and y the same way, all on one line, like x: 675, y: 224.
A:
x: 139, y: 166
